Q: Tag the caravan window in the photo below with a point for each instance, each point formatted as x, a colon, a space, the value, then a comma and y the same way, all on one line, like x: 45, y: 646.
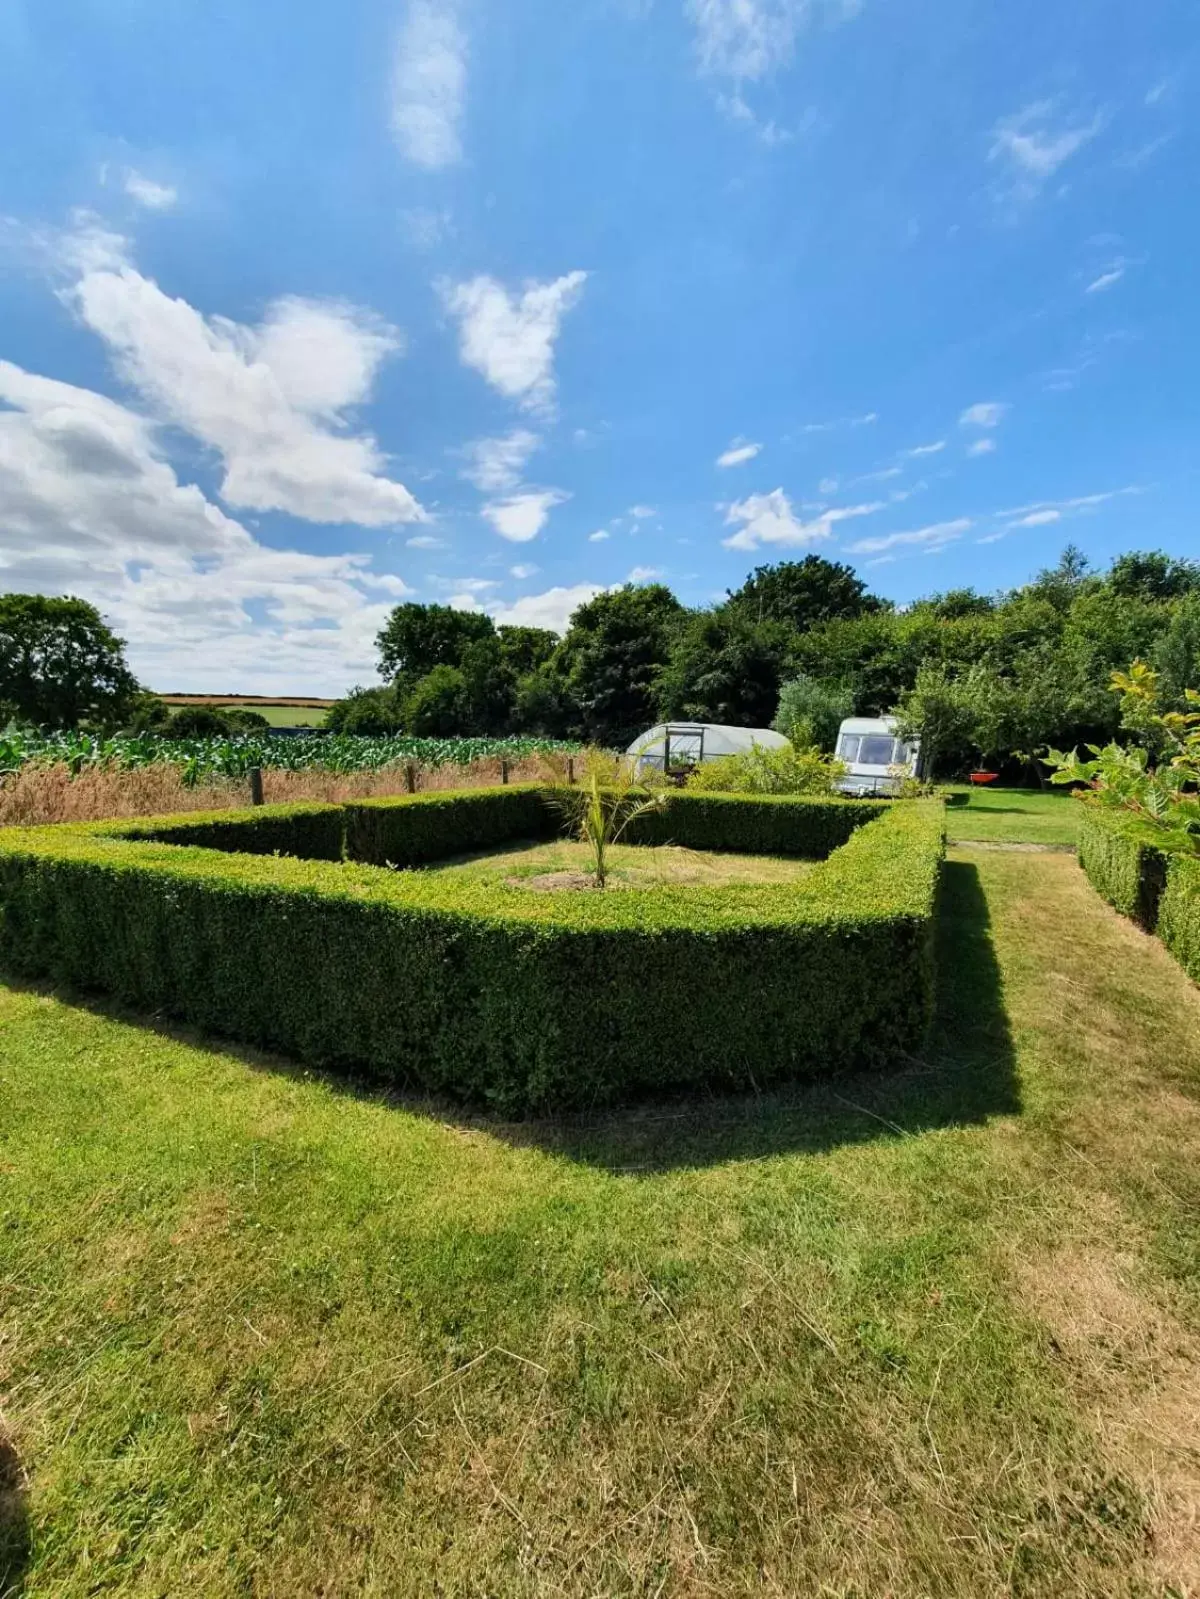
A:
x: 875, y: 750
x: 848, y: 747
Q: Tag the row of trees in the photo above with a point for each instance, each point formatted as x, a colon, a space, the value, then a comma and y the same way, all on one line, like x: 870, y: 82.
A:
x: 802, y: 642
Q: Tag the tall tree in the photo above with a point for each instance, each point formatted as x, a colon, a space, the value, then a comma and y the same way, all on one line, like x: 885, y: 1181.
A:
x: 60, y: 664
x: 416, y: 638
x: 804, y: 593
x: 1153, y: 575
x: 724, y: 667
x: 615, y: 648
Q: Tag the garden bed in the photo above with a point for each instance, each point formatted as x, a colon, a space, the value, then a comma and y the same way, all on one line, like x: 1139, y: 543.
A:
x: 523, y: 1001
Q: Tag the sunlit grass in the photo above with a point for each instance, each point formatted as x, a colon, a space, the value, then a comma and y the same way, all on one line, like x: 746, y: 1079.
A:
x: 629, y: 865
x: 1011, y: 815
x: 930, y: 1332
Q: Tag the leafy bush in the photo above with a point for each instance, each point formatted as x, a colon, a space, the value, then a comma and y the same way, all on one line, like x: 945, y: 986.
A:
x: 311, y: 831
x: 1179, y: 913
x: 473, y: 989
x: 811, y: 712
x: 768, y: 771
x: 411, y: 831
x: 1124, y: 862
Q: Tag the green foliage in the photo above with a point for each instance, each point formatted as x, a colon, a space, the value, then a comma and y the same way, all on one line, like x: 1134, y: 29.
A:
x: 418, y: 638
x: 308, y: 831
x: 437, y: 705
x: 940, y: 710
x: 1151, y: 575
x: 723, y: 667
x: 1125, y: 862
x: 148, y: 714
x: 60, y: 665
x: 811, y: 711
x: 607, y: 800
x: 805, y: 826
x: 1166, y: 796
x: 428, y: 827
x: 803, y: 594
x: 614, y: 651
x: 214, y: 721
x: 1179, y: 913
x: 474, y: 990
x: 769, y: 771
x: 367, y: 713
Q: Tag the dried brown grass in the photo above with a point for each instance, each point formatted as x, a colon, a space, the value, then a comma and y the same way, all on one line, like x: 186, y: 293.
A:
x: 41, y: 794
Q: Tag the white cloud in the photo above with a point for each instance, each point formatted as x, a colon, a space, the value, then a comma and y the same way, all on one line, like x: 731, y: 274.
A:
x: 599, y: 536
x: 270, y: 400
x: 1038, y: 519
x: 89, y: 505
x: 641, y: 513
x: 986, y: 414
x: 1107, y: 278
x: 1080, y: 502
x: 522, y: 516
x: 1034, y: 142
x: 934, y: 537
x: 827, y: 485
x: 771, y: 519
x: 496, y: 465
x: 553, y: 609
x: 749, y: 39
x: 425, y: 541
x: 429, y: 77
x: 644, y: 574
x: 924, y: 449
x: 149, y: 194
x: 738, y: 454
x: 509, y: 337
x: 522, y: 572
x: 981, y: 447
x: 863, y: 421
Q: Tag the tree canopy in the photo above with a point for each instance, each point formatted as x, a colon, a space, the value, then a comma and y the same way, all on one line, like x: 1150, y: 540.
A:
x: 61, y: 665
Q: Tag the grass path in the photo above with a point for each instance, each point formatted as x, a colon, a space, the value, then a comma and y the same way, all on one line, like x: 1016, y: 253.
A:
x: 1011, y: 815
x: 934, y: 1333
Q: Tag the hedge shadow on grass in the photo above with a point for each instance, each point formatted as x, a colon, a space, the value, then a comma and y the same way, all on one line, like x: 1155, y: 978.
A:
x: 962, y: 1075
x: 15, y: 1542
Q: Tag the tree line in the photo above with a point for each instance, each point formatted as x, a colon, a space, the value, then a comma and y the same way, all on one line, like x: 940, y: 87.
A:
x: 985, y: 678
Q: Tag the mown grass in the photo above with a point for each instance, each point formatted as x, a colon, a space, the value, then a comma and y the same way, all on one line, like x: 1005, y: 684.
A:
x: 1010, y: 815
x: 630, y: 865
x: 926, y: 1333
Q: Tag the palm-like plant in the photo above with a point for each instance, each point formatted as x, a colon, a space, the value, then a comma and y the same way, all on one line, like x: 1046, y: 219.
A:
x: 601, y: 806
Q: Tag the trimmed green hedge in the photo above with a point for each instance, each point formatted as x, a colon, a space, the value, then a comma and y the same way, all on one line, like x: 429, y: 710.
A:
x: 755, y: 824
x: 1123, y: 862
x: 311, y: 831
x: 427, y: 827
x: 1179, y: 913
x: 526, y: 1002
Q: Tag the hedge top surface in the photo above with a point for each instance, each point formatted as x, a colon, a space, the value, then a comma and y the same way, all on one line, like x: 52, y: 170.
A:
x: 887, y: 869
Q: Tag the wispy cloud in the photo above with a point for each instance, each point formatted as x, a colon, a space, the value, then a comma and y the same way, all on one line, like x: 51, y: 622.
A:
x: 738, y: 453
x: 429, y: 77
x: 496, y: 465
x: 1038, y: 519
x: 522, y: 516
x: 509, y: 337
x: 935, y: 448
x: 1035, y: 142
x: 982, y: 447
x: 599, y: 536
x: 747, y: 40
x: 1112, y: 274
x: 425, y: 541
x: 645, y: 574
x: 985, y: 414
x: 523, y: 571
x: 642, y: 513
x: 147, y: 193
x: 933, y: 537
x: 765, y: 519
x: 865, y: 420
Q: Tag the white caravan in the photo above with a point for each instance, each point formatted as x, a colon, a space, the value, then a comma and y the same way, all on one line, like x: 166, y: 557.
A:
x: 874, y: 755
x: 673, y: 744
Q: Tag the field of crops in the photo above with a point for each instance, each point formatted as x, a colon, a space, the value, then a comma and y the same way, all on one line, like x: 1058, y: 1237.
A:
x: 203, y: 759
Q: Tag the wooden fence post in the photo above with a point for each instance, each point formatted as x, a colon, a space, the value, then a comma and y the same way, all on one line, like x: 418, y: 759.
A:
x: 256, y: 788
x: 570, y: 768
x: 410, y: 777
x: 504, y: 771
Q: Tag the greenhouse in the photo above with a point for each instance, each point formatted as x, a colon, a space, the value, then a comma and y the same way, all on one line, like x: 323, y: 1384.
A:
x: 688, y: 743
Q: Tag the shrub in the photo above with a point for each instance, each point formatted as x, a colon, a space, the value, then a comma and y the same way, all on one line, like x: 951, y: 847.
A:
x: 1179, y: 913
x: 412, y: 830
x: 473, y: 989
x: 811, y: 712
x: 1124, y: 861
x: 768, y: 771
x: 311, y: 832
x: 756, y: 824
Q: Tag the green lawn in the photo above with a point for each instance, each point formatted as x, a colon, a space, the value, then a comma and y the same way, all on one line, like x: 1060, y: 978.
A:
x: 1011, y: 815
x: 630, y: 865
x: 934, y: 1332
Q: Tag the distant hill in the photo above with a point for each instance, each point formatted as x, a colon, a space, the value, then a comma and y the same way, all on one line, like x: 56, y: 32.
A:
x: 280, y: 710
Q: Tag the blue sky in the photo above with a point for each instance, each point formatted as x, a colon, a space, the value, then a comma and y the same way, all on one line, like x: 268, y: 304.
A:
x: 306, y: 309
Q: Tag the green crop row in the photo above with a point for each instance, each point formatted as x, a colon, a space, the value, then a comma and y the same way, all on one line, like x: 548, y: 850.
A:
x: 526, y: 1002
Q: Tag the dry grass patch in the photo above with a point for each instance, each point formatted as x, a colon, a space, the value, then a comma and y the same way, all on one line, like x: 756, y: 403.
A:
x: 565, y: 864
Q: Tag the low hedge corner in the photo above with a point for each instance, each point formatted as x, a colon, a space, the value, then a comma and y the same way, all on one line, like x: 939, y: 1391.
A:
x: 280, y: 928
